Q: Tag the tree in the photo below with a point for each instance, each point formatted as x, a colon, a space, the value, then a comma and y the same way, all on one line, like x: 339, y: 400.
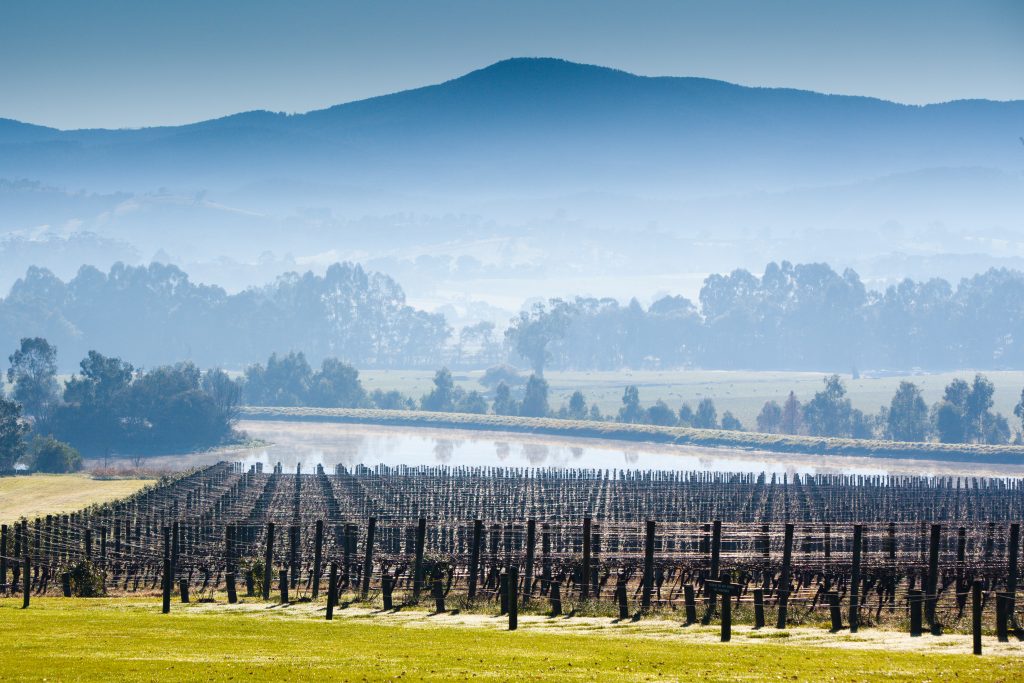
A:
x: 1018, y: 410
x: 963, y: 415
x: 472, y: 402
x: 660, y: 414
x: 532, y: 331
x: 577, y: 406
x: 336, y: 385
x: 829, y: 412
x: 285, y: 381
x: 535, y: 400
x: 225, y: 392
x: 504, y: 404
x: 769, y: 420
x: 792, y: 415
x: 907, y: 419
x: 33, y: 373
x: 730, y: 423
x: 685, y: 415
x: 631, y: 411
x: 12, y: 434
x: 976, y: 408
x: 108, y: 408
x: 706, y: 416
x: 442, y: 397
x: 493, y: 376
x: 391, y: 400
x: 55, y: 457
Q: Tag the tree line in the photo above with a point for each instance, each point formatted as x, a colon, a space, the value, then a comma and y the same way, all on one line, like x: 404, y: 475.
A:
x: 157, y: 316
x: 796, y: 317
x: 108, y: 408
x: 963, y: 415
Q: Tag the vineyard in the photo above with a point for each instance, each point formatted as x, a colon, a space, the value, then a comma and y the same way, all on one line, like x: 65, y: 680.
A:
x: 926, y: 554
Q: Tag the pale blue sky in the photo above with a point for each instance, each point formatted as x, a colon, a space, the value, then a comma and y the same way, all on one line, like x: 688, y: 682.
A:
x: 136, y: 63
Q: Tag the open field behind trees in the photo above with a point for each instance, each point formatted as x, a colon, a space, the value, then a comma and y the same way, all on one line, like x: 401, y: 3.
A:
x: 128, y: 639
x: 43, y: 494
x: 739, y: 391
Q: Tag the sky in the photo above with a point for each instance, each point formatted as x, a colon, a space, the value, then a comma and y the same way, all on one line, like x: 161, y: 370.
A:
x: 115, y: 63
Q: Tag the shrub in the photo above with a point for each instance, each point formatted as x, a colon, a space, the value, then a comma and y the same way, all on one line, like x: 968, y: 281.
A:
x: 87, y: 580
x: 52, y: 456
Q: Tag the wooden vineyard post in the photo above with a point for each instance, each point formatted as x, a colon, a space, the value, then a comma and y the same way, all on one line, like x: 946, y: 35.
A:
x: 293, y: 553
x: 513, y: 598
x: 976, y: 616
x: 229, y: 579
x: 621, y: 597
x: 585, y: 587
x: 545, y: 550
x: 371, y: 528
x: 784, y: 578
x: 387, y: 587
x: 531, y: 550
x: 858, y: 535
x: 933, y: 580
x: 915, y: 598
x: 1002, y: 617
x: 167, y: 571
x: 690, y: 601
x: 1013, y: 551
x: 332, y: 590
x: 318, y: 549
x: 556, y: 598
x: 648, y: 578
x: 283, y: 585
x: 728, y: 590
x: 437, y: 588
x: 27, y: 581
x: 268, y: 561
x: 175, y: 550
x: 503, y: 592
x: 183, y: 590
x: 716, y: 551
x: 834, y: 611
x: 758, y: 608
x: 474, y: 557
x: 417, y: 578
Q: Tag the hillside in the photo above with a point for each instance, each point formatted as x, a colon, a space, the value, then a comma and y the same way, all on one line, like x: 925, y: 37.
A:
x: 533, y: 125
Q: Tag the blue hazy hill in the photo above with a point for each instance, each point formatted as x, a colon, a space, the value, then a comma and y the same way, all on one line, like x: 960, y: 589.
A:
x: 538, y: 126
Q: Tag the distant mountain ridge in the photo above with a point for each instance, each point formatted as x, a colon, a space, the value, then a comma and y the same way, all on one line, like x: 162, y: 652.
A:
x: 538, y: 126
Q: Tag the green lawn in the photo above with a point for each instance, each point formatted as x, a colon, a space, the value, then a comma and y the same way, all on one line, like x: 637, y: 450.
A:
x: 128, y: 639
x: 742, y: 392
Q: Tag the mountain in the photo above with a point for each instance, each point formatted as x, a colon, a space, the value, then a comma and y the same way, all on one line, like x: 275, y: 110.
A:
x: 537, y: 126
x: 530, y: 178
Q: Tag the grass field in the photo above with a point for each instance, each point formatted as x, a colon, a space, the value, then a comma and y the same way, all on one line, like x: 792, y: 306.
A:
x: 742, y: 392
x: 42, y: 494
x: 128, y: 639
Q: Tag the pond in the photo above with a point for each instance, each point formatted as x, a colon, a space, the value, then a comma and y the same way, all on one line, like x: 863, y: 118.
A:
x: 311, y: 443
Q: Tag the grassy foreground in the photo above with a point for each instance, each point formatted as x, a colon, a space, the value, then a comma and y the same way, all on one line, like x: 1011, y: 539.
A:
x: 42, y: 494
x: 128, y: 639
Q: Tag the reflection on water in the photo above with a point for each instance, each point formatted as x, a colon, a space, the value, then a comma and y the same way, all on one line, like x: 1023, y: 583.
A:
x: 311, y: 443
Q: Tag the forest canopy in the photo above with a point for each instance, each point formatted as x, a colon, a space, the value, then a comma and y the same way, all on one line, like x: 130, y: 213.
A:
x: 792, y: 317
